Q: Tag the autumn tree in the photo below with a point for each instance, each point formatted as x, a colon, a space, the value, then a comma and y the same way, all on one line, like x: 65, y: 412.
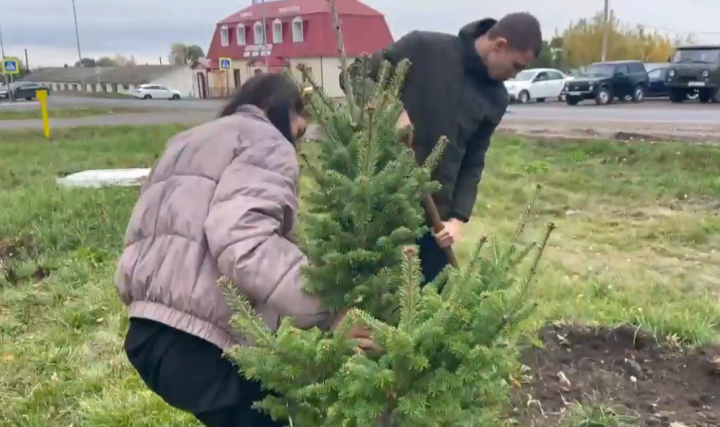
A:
x: 582, y: 42
x: 85, y: 63
x: 122, y: 61
x: 181, y: 54
x: 545, y: 59
x: 105, y: 62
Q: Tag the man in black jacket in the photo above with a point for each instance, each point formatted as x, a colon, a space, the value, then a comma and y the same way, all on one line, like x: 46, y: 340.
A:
x: 455, y: 89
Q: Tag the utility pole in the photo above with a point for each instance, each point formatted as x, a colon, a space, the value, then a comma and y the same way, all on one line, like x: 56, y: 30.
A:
x: 605, y: 30
x: 264, y: 50
x: 77, y: 38
x: 2, y: 56
x: 2, y: 46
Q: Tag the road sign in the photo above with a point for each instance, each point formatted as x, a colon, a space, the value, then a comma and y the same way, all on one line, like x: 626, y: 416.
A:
x: 225, y: 63
x: 10, y: 66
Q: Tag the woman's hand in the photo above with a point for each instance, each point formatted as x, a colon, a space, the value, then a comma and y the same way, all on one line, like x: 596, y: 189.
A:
x: 361, y: 334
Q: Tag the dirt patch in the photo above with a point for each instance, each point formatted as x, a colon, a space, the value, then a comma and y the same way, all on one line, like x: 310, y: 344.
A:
x: 622, y: 368
x: 14, y: 251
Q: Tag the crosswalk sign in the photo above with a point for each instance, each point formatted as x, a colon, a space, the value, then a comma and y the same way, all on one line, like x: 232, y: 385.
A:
x: 225, y: 63
x: 10, y: 66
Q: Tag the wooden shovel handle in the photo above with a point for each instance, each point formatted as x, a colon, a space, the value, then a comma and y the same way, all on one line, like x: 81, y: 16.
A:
x: 431, y: 211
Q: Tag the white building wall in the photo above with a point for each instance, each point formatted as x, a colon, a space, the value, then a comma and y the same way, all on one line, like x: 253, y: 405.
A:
x: 126, y: 89
x: 182, y: 80
x: 326, y: 72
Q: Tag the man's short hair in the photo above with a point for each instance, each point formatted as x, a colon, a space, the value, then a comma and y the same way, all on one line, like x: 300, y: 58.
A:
x: 521, y: 30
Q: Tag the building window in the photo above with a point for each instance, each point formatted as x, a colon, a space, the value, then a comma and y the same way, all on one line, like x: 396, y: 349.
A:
x: 297, y: 30
x: 277, y: 31
x: 259, y: 33
x: 240, y: 36
x: 224, y: 36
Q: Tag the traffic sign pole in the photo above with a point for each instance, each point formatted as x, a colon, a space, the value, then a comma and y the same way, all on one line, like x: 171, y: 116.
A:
x: 225, y: 66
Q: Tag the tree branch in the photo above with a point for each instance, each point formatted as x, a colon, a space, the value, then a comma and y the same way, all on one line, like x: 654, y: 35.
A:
x: 341, y: 50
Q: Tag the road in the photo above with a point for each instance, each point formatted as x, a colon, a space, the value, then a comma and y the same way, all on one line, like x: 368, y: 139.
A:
x: 648, y: 112
x: 68, y: 102
x: 656, y: 119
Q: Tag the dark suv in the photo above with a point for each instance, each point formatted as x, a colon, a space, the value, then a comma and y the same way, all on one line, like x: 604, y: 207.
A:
x: 605, y: 81
x: 694, y: 69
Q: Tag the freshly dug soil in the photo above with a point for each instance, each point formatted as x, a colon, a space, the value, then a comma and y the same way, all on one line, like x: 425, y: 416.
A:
x: 13, y: 250
x: 623, y: 368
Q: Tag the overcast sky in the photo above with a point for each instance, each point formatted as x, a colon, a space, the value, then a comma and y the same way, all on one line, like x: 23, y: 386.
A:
x: 146, y: 28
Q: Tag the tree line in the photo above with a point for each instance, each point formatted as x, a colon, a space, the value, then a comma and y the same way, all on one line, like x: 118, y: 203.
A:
x: 580, y: 44
x: 180, y: 54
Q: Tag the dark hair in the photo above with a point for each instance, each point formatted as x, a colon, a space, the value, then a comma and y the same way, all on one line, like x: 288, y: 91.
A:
x: 275, y: 94
x: 521, y: 30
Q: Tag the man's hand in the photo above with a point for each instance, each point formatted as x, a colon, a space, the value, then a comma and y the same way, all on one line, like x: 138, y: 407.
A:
x: 361, y: 335
x: 449, y: 234
x: 403, y: 121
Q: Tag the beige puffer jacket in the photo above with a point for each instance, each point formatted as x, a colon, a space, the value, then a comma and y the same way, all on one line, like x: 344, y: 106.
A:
x: 221, y: 201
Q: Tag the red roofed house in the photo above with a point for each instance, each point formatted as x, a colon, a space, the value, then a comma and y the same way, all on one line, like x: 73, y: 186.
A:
x: 299, y: 31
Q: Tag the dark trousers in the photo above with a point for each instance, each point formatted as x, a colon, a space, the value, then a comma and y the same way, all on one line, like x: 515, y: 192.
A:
x: 433, y: 259
x: 191, y: 374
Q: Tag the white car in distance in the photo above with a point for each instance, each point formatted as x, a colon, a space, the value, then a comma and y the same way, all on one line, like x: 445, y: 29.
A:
x: 155, y: 92
x: 538, y: 84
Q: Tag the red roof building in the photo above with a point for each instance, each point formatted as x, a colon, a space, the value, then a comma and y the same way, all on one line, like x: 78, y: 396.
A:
x: 296, y: 31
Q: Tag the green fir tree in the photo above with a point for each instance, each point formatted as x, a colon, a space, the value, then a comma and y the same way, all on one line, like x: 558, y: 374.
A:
x: 449, y: 349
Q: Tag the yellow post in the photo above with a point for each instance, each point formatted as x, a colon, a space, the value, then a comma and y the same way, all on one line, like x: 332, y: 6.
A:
x: 42, y: 96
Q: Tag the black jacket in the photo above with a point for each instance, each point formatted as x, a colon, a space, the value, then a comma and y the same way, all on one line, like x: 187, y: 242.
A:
x: 448, y: 92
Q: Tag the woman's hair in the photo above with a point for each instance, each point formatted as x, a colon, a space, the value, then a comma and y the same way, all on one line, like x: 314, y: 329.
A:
x: 275, y: 94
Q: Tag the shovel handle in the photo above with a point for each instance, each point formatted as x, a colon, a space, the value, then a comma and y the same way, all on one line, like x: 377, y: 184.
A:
x: 431, y: 211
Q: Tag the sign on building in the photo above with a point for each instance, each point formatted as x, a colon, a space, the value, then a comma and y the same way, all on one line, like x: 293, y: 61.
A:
x: 10, y: 66
x: 225, y: 63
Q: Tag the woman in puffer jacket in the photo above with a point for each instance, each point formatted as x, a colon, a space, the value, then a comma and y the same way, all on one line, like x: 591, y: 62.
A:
x: 221, y: 201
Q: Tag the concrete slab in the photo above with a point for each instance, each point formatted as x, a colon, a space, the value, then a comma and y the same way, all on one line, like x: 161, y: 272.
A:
x: 104, y: 178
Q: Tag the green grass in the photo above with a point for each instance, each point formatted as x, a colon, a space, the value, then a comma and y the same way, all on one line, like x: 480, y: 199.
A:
x: 638, y: 232
x: 65, y: 113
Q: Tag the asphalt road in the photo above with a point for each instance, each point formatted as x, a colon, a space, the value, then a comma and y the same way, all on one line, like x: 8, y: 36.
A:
x: 68, y: 102
x: 648, y: 112
x: 197, y: 111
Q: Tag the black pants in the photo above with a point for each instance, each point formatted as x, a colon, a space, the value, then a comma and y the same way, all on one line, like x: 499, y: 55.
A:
x: 190, y: 374
x: 433, y: 258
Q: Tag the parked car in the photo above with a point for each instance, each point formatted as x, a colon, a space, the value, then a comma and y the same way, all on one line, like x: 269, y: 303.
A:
x: 656, y: 84
x: 155, y: 92
x: 605, y: 81
x: 695, y: 69
x: 536, y: 84
x: 21, y: 90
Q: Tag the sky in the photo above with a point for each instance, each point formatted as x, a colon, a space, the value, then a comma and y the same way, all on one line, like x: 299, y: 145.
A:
x: 146, y: 28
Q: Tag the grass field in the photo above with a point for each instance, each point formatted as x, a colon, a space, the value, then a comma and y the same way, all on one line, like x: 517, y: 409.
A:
x: 65, y: 113
x: 637, y: 241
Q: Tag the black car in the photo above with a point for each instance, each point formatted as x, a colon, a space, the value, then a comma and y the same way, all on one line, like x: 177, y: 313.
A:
x: 605, y: 81
x: 695, y: 69
x: 22, y: 90
x: 657, y: 87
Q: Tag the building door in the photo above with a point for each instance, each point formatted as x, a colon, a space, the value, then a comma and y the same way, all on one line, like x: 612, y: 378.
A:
x: 236, y: 78
x: 202, y: 86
